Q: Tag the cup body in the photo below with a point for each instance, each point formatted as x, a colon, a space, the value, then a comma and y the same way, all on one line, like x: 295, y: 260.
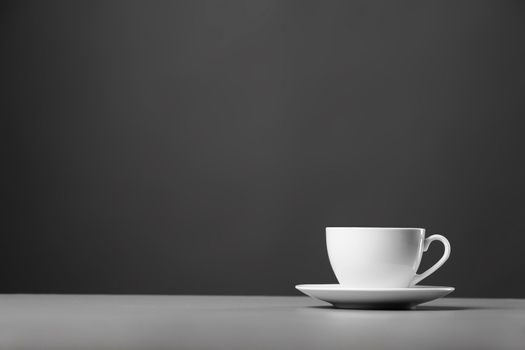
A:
x: 375, y: 257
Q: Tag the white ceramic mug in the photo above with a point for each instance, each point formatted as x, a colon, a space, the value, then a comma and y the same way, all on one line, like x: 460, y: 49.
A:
x: 380, y: 257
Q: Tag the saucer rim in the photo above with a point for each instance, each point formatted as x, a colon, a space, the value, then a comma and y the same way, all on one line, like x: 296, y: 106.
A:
x: 339, y: 287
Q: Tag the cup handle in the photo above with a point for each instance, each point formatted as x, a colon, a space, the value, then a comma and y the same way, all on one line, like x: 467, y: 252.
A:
x: 440, y: 262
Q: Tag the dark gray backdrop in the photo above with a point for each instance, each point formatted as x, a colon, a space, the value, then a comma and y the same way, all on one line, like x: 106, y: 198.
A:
x: 203, y: 146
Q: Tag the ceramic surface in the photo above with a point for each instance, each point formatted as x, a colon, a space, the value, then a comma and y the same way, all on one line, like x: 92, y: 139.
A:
x: 380, y: 257
x: 380, y: 298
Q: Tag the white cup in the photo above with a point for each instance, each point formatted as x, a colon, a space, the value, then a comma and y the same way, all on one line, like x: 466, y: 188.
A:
x: 380, y: 257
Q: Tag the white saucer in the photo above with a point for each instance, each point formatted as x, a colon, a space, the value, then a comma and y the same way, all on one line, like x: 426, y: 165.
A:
x: 377, y: 298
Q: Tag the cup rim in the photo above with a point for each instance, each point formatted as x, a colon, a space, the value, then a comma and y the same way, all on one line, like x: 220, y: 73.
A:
x: 375, y: 228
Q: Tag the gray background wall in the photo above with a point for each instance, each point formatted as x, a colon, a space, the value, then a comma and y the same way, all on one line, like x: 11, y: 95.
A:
x: 203, y: 146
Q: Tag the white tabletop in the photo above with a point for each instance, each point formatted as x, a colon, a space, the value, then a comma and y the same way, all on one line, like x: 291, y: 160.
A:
x: 242, y: 322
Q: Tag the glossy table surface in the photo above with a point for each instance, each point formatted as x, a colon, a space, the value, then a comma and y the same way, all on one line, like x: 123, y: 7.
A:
x: 247, y: 322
